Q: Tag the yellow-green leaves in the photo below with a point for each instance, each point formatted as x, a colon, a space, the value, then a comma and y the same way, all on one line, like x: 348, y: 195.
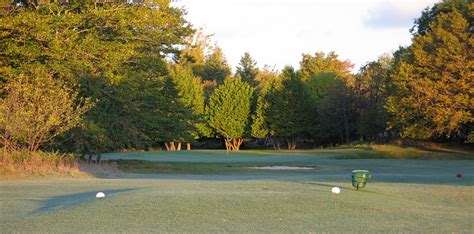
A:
x: 229, y: 108
x: 36, y: 108
x: 434, y: 86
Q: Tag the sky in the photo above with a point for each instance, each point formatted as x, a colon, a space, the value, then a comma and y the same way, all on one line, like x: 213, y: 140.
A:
x: 278, y: 32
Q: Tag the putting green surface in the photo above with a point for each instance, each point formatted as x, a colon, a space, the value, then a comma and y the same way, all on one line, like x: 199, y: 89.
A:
x: 404, y: 196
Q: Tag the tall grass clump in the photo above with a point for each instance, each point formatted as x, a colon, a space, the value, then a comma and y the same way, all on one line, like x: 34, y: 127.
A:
x: 38, y: 163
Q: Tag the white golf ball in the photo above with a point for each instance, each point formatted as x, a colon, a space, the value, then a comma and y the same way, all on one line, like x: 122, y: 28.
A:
x: 100, y: 194
x: 335, y: 190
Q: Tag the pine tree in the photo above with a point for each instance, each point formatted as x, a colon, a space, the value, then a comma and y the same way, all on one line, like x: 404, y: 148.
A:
x: 215, y: 67
x: 191, y: 96
x: 248, y: 69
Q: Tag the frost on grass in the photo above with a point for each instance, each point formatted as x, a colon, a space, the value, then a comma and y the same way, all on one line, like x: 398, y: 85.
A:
x: 99, y: 169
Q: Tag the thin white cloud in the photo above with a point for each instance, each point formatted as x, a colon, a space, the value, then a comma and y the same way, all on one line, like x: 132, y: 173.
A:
x: 394, y: 14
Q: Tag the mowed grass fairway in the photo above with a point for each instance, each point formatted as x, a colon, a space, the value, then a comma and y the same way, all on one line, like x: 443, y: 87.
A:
x: 208, y: 191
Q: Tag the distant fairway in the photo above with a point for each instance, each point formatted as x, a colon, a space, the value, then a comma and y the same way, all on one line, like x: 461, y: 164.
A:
x: 207, y: 191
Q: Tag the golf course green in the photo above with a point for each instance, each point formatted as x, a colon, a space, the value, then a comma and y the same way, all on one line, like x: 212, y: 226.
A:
x: 210, y: 191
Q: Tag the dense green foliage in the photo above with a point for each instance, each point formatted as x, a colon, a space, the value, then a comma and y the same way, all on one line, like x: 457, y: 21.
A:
x: 113, y: 54
x: 229, y: 111
x: 434, y: 83
x: 371, y: 96
x: 154, y: 80
x: 284, y: 110
x: 191, y: 96
x: 36, y: 108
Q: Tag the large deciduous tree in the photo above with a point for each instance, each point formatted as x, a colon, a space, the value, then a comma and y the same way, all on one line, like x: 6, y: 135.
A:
x: 422, y: 24
x: 229, y: 111
x: 434, y: 82
x: 113, y: 52
x: 322, y: 63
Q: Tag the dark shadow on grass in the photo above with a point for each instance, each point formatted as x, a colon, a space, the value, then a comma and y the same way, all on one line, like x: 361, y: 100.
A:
x: 74, y: 200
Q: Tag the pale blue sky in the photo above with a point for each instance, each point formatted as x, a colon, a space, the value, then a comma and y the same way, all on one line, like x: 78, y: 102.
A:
x: 277, y: 32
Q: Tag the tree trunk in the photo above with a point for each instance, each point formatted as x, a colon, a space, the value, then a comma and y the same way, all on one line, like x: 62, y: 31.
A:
x: 172, y: 146
x: 188, y: 146
x: 291, y: 141
x: 276, y: 143
x: 236, y: 142
x: 97, y: 159
x: 179, y: 146
x: 228, y: 145
x: 268, y: 140
x: 167, y: 146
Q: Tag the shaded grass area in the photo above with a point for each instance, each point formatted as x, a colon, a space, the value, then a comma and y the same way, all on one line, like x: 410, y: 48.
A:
x: 270, y: 206
x: 195, y: 168
x: 72, y: 200
x: 142, y: 166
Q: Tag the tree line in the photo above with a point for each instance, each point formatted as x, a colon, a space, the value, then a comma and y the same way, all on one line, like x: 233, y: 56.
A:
x: 91, y: 77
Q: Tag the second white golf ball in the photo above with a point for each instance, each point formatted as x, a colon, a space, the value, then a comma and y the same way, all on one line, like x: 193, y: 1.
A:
x: 335, y: 190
